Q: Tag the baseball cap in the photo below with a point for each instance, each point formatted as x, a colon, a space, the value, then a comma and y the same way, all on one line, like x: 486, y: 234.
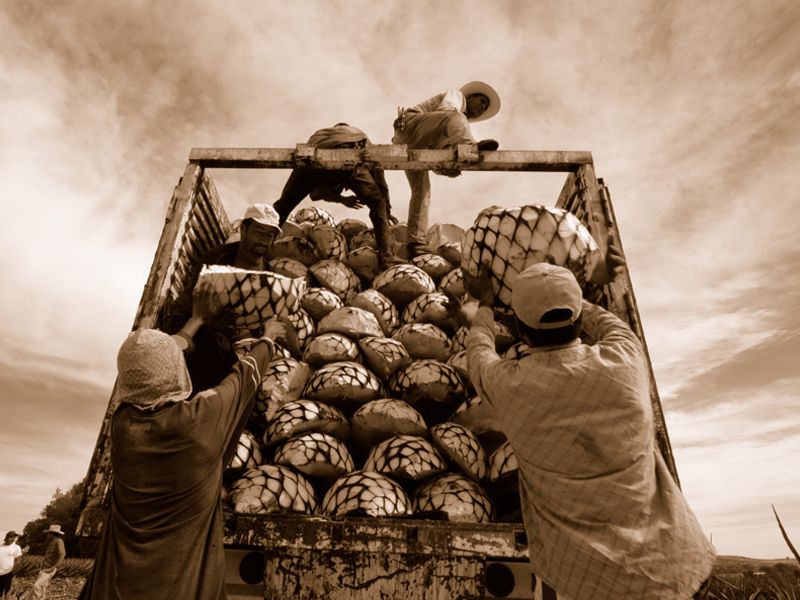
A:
x: 543, y: 287
x: 11, y: 534
x: 263, y: 214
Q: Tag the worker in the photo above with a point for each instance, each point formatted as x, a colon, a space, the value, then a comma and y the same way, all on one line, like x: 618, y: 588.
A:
x: 212, y: 355
x: 368, y: 185
x: 442, y: 121
x: 162, y: 538
x: 54, y: 556
x: 606, y: 520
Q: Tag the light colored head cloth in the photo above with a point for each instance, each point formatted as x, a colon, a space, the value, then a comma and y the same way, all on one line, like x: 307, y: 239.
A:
x: 151, y: 370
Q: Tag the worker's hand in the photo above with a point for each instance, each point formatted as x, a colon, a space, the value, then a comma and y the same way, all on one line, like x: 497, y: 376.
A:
x: 452, y: 173
x: 612, y: 264
x: 282, y: 332
x: 615, y: 260
x: 393, y: 220
x: 205, y: 302
x: 480, y: 286
x: 455, y: 317
x: 350, y: 201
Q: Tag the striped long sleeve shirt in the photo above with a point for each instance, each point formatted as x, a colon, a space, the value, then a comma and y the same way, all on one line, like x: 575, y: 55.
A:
x: 605, y: 519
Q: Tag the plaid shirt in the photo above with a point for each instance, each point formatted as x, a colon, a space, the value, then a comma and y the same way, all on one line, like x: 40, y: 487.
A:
x: 605, y: 519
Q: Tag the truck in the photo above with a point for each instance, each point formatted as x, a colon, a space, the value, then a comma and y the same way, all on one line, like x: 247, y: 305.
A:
x: 313, y: 556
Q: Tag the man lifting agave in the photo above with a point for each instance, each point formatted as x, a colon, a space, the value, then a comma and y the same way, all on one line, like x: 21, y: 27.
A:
x: 605, y: 518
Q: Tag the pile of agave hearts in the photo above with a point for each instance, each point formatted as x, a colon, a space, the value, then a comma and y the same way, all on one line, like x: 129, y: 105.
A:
x: 375, y: 414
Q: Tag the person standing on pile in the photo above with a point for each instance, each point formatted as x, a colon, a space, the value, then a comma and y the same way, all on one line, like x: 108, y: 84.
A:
x: 605, y: 518
x: 54, y: 555
x: 212, y: 355
x: 436, y: 123
x: 163, y: 535
x: 368, y: 185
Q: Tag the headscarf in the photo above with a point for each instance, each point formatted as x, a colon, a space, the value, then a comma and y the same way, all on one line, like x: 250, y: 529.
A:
x: 151, y: 370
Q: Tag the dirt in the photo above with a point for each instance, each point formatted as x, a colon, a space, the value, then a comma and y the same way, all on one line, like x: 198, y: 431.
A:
x: 61, y: 588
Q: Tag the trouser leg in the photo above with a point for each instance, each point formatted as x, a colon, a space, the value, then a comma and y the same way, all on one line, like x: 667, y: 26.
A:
x: 364, y: 187
x: 297, y: 187
x: 418, y: 206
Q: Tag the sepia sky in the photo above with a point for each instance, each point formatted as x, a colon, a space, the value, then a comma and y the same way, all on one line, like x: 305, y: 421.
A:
x: 690, y: 110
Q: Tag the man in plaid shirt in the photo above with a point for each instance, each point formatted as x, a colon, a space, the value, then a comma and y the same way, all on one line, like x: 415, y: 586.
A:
x: 604, y: 517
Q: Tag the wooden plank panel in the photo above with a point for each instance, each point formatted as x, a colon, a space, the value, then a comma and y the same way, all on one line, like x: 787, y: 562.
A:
x: 389, y: 158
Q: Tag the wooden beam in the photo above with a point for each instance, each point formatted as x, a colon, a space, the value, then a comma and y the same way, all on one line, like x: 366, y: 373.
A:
x: 389, y: 157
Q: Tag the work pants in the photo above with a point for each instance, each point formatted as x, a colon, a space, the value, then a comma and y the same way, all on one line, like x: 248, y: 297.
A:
x: 429, y: 131
x: 39, y: 589
x: 321, y: 182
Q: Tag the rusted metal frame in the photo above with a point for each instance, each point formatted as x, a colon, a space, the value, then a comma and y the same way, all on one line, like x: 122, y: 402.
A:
x: 99, y: 476
x: 375, y: 535
x: 390, y: 157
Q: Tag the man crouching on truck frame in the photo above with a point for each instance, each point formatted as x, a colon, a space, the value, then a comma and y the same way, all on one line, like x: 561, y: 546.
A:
x: 604, y: 517
x: 212, y: 355
x: 162, y: 537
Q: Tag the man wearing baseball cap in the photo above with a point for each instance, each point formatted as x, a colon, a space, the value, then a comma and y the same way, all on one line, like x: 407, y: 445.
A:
x: 211, y: 356
x: 54, y: 555
x: 442, y: 121
x: 605, y: 518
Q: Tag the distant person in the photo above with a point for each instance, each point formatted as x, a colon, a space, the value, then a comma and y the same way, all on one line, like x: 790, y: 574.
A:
x: 162, y: 537
x: 605, y: 518
x: 212, y: 356
x: 368, y: 185
x: 10, y: 553
x: 436, y: 123
x: 54, y: 555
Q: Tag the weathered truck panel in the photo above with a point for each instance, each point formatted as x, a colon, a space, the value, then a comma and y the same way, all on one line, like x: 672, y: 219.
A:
x: 279, y: 556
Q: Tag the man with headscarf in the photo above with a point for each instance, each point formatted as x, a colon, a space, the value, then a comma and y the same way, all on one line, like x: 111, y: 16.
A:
x: 163, y: 535
x: 605, y: 518
x: 212, y: 355
x: 441, y: 121
x: 368, y: 185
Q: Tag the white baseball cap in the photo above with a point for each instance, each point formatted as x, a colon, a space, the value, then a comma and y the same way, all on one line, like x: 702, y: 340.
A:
x: 263, y: 214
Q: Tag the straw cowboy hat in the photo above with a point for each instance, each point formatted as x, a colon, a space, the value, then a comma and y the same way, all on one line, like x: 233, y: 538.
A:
x: 479, y: 87
x: 55, y: 529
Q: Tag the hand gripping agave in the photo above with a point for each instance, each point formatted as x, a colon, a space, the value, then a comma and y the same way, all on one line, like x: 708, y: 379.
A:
x: 510, y: 239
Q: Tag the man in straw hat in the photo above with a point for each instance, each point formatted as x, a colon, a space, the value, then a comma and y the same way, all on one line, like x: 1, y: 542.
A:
x: 163, y: 533
x: 605, y: 518
x: 212, y: 356
x: 440, y: 122
x: 368, y: 186
x: 54, y: 555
